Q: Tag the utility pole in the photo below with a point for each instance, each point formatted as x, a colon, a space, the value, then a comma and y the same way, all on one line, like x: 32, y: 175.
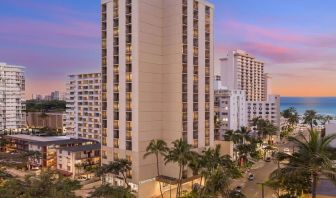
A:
x: 262, y: 189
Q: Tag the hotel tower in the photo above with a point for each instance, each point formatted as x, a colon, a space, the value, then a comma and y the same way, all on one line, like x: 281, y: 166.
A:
x: 157, y: 82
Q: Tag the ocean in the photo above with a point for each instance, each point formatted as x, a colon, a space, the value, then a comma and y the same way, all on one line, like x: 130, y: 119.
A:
x: 322, y: 105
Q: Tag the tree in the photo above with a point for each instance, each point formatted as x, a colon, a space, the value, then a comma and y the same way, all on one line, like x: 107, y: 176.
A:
x: 107, y: 191
x: 117, y: 167
x: 180, y: 153
x: 157, y: 148
x: 48, y: 185
x: 314, y: 158
x: 291, y: 115
x: 31, y: 157
x: 310, y: 117
x: 233, y: 136
x: 12, y: 188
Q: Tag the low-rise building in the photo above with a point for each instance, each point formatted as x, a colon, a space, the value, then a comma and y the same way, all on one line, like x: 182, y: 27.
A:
x: 230, y: 111
x: 268, y: 110
x: 78, y: 161
x: 46, y: 145
x: 51, y: 120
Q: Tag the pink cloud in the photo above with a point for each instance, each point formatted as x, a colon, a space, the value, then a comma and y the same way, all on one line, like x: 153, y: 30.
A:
x: 74, y: 34
x: 283, y: 36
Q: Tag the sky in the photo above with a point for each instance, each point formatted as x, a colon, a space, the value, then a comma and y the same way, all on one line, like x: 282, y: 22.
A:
x: 295, y: 38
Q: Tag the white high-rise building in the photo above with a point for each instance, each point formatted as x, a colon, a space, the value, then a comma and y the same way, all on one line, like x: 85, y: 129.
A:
x: 268, y: 110
x: 83, y: 102
x: 12, y: 94
x: 157, y: 74
x: 241, y: 71
x: 231, y: 111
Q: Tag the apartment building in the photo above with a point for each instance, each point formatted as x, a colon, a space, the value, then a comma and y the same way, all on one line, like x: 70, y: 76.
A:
x: 269, y: 109
x: 75, y: 161
x: 46, y: 145
x: 157, y: 71
x: 230, y: 111
x: 242, y: 71
x: 83, y: 102
x: 12, y: 94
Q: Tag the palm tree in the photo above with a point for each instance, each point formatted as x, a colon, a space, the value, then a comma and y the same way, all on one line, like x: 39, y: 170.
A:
x: 157, y: 147
x: 291, y: 115
x: 180, y: 153
x: 310, y: 118
x: 314, y: 157
x: 233, y: 136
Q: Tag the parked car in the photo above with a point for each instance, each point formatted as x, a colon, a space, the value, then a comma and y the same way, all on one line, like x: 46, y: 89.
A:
x: 268, y: 159
x: 251, y: 177
x: 286, y: 150
x: 82, y: 178
x: 238, y: 189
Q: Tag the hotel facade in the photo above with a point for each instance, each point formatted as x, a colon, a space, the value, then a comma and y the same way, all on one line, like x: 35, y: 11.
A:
x: 241, y: 71
x: 12, y: 94
x: 157, y: 82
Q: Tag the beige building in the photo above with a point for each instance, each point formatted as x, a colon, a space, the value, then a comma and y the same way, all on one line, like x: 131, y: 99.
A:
x: 76, y: 161
x: 157, y: 71
x: 83, y: 102
x: 241, y: 71
x: 51, y: 120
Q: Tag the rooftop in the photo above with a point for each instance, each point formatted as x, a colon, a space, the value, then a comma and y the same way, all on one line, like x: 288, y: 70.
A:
x: 48, y: 140
x: 88, y: 147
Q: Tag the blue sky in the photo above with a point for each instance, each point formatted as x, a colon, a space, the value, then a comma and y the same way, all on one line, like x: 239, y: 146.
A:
x: 296, y: 38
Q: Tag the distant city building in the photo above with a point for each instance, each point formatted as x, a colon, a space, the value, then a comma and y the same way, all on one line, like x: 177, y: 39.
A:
x: 55, y: 95
x: 267, y: 86
x: 241, y: 71
x: 51, y: 120
x: 157, y: 77
x: 12, y: 94
x: 83, y: 104
x: 230, y: 111
x: 269, y: 109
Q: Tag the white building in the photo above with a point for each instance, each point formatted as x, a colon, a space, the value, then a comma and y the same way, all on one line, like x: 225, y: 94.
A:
x: 157, y: 74
x: 241, y: 71
x: 231, y: 110
x: 12, y: 94
x: 330, y: 128
x: 84, y: 106
x: 269, y: 110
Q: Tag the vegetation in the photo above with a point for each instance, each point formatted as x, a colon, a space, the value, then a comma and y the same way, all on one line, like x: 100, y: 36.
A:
x: 108, y: 191
x: 313, y: 159
x: 45, y: 106
x: 215, y: 171
x: 181, y: 154
x: 157, y: 148
x: 310, y: 117
x: 117, y: 167
x: 291, y: 115
x: 45, y: 185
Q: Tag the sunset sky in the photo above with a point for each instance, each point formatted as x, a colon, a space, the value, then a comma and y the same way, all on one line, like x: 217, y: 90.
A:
x: 296, y: 39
